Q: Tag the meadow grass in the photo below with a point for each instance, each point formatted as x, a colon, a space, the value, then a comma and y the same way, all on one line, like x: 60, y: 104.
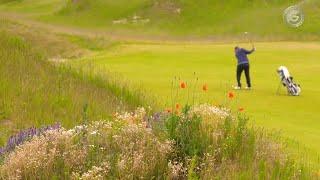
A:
x: 204, y: 18
x: 196, y: 142
x: 35, y: 92
x: 156, y: 66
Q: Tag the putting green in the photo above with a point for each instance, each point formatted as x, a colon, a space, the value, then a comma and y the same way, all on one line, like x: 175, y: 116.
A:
x: 154, y: 66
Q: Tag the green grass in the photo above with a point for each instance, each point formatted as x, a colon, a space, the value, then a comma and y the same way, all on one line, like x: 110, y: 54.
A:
x: 203, y: 18
x: 34, y: 7
x: 154, y: 66
x: 34, y: 92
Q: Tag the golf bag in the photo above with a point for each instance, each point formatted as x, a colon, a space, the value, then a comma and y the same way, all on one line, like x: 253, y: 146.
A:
x: 287, y: 81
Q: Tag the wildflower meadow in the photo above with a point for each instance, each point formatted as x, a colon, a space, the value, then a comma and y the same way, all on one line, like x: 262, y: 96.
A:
x: 198, y: 141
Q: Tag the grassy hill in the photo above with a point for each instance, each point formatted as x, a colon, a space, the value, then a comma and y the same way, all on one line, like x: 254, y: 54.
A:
x: 204, y: 18
x: 34, y: 92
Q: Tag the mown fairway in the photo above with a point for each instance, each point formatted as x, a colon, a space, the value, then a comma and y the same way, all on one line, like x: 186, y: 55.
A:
x: 154, y: 66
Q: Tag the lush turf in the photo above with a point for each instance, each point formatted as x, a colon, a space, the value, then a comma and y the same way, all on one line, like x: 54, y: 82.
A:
x: 155, y: 66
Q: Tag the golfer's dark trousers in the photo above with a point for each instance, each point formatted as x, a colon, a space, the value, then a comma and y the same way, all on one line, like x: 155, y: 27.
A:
x: 240, y: 69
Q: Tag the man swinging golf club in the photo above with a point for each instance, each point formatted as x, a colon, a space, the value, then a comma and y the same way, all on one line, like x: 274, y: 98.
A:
x: 243, y: 65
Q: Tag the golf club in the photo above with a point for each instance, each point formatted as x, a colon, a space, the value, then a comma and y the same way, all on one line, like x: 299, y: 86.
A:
x: 249, y: 39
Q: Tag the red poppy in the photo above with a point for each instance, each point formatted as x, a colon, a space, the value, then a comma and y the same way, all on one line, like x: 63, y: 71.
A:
x: 241, y: 109
x: 178, y: 106
x: 205, y: 87
x: 169, y: 110
x: 230, y: 95
x: 183, y: 85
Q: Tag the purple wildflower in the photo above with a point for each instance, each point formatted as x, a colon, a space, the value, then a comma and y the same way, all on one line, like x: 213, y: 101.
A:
x: 26, y: 135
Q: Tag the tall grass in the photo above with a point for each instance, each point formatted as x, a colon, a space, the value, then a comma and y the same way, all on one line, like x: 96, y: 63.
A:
x: 224, y: 146
x: 216, y: 19
x: 203, y: 142
x: 7, y: 1
x: 98, y: 150
x: 33, y: 92
x: 97, y: 9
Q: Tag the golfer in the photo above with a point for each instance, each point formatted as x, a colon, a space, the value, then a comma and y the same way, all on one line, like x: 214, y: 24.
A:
x: 243, y: 65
